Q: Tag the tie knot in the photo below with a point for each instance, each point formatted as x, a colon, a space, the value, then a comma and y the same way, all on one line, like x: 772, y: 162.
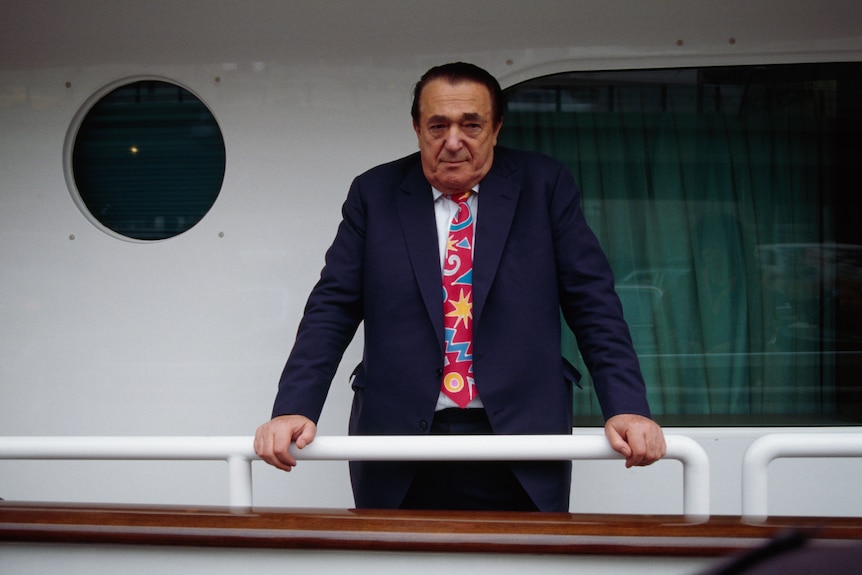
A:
x: 462, y: 197
x: 462, y: 217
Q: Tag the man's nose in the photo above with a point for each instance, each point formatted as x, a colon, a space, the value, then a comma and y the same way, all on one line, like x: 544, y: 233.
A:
x: 454, y: 139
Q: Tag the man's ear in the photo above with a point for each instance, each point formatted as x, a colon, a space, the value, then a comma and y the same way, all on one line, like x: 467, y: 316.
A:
x: 497, y: 129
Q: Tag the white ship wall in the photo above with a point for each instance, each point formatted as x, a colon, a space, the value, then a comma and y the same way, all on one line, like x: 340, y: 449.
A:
x: 188, y: 336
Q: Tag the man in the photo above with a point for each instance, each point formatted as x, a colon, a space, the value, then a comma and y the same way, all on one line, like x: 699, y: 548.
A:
x: 534, y: 255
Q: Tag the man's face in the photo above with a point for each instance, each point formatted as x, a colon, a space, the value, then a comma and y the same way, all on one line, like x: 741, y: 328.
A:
x: 456, y: 134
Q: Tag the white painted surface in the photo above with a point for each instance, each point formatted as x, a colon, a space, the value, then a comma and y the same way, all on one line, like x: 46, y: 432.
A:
x: 33, y: 559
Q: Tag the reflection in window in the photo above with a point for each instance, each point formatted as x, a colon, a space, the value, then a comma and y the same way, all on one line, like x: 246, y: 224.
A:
x: 718, y: 195
x: 148, y: 160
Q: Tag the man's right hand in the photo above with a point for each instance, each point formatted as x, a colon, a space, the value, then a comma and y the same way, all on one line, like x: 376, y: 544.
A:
x: 272, y: 439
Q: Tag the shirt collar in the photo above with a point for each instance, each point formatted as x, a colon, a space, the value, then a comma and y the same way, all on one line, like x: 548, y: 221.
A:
x: 438, y: 194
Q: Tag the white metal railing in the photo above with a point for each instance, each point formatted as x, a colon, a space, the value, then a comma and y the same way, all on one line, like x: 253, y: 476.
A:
x: 239, y: 453
x: 767, y: 448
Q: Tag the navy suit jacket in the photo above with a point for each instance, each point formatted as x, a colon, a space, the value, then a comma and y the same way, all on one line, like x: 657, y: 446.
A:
x: 534, y: 256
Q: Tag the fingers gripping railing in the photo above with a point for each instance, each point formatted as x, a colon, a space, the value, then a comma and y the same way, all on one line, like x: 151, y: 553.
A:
x: 239, y: 453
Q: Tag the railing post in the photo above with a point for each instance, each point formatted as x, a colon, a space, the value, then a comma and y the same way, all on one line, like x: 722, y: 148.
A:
x: 767, y: 448
x: 695, y: 475
x: 240, y: 482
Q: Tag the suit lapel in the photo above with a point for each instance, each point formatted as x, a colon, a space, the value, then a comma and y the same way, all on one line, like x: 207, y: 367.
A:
x: 498, y: 197
x: 416, y: 212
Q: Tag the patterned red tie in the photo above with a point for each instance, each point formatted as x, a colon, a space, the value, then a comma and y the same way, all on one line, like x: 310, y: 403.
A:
x: 458, y: 305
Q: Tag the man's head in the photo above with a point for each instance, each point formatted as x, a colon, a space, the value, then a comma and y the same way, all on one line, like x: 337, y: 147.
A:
x: 462, y: 72
x: 457, y: 114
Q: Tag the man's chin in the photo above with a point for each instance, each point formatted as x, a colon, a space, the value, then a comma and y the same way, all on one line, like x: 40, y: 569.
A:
x: 453, y: 178
x: 455, y: 182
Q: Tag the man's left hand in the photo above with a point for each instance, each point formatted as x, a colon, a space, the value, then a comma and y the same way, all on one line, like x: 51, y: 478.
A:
x: 638, y: 438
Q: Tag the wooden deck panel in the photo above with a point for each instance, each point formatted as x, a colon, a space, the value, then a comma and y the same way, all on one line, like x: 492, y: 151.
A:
x: 381, y: 530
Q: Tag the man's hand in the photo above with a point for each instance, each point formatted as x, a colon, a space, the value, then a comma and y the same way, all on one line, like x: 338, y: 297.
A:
x: 272, y: 439
x: 638, y: 438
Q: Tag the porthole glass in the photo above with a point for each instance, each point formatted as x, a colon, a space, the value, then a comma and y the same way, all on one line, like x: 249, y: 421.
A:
x: 147, y: 160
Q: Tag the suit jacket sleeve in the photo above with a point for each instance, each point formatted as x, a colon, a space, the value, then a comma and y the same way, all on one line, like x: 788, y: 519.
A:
x: 332, y: 315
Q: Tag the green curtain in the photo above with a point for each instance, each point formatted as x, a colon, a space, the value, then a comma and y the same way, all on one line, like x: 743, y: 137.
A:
x: 717, y: 227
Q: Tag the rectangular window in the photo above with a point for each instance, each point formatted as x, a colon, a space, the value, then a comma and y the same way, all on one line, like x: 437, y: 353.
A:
x: 726, y: 201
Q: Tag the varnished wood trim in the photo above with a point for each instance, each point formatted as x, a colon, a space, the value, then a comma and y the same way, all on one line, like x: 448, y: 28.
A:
x: 381, y: 530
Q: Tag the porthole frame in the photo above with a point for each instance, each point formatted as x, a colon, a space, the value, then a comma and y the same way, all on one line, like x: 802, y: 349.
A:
x: 73, y: 132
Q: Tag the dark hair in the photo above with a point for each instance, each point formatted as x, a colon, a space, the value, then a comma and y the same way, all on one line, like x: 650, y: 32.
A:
x: 462, y: 72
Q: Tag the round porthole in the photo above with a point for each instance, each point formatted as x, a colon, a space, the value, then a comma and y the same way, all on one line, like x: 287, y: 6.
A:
x: 146, y: 160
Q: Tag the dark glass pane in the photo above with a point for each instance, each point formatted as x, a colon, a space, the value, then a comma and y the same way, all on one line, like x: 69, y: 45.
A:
x: 722, y: 198
x: 148, y: 160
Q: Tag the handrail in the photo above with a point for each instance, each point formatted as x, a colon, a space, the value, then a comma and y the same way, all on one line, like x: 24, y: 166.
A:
x: 767, y: 448
x: 239, y: 453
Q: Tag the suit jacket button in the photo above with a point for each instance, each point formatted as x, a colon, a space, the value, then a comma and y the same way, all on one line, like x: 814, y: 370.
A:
x: 439, y: 372
x: 423, y: 425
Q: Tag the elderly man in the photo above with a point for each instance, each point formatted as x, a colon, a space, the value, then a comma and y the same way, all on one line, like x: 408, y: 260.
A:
x: 501, y: 236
